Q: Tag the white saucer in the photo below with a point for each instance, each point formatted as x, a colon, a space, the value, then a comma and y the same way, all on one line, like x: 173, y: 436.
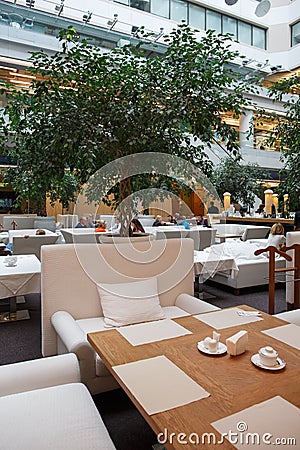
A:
x: 280, y: 363
x: 10, y: 265
x: 220, y: 350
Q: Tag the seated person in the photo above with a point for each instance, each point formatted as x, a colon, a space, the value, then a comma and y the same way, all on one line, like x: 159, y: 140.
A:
x: 136, y: 226
x: 297, y: 219
x: 90, y: 222
x: 83, y: 222
x: 116, y: 228
x: 213, y: 209
x: 182, y: 222
x: 172, y: 219
x: 37, y: 233
x: 260, y: 209
x: 276, y: 237
x: 158, y: 221
x: 201, y: 220
x: 101, y: 227
x: 9, y: 246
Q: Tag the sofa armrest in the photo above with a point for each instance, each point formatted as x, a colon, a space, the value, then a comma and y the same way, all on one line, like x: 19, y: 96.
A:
x: 193, y: 305
x: 74, y: 339
x: 38, y: 374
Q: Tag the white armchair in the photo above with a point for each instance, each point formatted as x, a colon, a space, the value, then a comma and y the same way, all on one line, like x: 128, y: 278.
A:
x: 43, y: 405
x: 70, y: 301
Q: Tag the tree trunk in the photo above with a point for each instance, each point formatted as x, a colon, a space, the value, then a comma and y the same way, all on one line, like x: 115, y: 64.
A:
x: 125, y: 207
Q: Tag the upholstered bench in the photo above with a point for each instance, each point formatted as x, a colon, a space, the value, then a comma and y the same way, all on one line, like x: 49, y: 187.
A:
x: 71, y: 306
x: 43, y: 405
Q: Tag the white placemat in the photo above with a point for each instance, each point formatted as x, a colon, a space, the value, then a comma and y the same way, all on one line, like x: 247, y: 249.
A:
x: 158, y: 384
x: 289, y: 334
x: 144, y: 333
x: 273, y: 419
x: 226, y: 318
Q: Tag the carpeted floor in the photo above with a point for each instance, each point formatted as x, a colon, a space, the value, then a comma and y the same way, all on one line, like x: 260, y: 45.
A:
x: 20, y: 341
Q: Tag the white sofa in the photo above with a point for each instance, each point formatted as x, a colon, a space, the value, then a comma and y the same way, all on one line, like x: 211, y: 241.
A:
x: 253, y: 270
x: 70, y: 301
x: 245, y: 232
x: 43, y: 406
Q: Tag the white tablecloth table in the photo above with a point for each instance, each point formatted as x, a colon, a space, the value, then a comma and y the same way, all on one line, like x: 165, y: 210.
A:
x: 207, y: 265
x: 22, y: 279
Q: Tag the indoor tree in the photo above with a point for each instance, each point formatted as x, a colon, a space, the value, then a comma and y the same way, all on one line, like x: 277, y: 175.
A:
x: 241, y: 180
x: 87, y: 108
x: 286, y: 135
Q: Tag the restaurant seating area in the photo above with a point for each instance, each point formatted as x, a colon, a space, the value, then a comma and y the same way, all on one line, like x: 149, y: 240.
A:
x: 84, y: 286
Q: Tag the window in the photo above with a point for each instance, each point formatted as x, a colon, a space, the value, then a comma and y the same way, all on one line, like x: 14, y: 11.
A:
x: 197, y: 16
x: 213, y: 21
x: 178, y: 10
x: 259, y: 37
x: 206, y: 19
x: 295, y: 34
x: 160, y: 7
x: 229, y: 25
x: 124, y: 2
x: 140, y: 4
x: 244, y: 33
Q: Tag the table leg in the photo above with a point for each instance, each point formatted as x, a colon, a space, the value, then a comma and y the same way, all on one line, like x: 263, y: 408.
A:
x: 199, y: 290
x: 13, y: 314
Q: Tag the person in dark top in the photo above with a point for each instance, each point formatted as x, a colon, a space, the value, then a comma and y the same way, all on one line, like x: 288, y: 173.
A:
x: 213, y: 209
x: 172, y: 219
x: 297, y: 219
x: 273, y: 210
x: 260, y: 209
x: 136, y: 226
x: 158, y: 222
x: 202, y: 221
x: 83, y: 222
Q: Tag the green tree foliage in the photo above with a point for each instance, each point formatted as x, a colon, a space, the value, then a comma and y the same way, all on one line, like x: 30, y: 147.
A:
x: 92, y: 107
x: 241, y: 181
x: 287, y: 135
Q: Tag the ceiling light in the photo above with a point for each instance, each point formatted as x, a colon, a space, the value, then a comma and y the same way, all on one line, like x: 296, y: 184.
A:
x: 276, y: 68
x: 134, y: 29
x: 59, y: 8
x: 231, y: 2
x: 112, y: 22
x: 30, y: 3
x: 263, y: 8
x: 159, y: 35
x: 87, y: 17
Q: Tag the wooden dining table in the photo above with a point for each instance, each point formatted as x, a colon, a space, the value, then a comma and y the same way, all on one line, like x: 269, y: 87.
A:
x: 233, y: 382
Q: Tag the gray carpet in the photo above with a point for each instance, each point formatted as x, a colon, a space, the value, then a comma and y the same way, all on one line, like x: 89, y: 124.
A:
x: 20, y: 341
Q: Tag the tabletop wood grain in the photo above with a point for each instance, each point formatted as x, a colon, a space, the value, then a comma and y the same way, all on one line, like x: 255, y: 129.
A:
x: 233, y: 382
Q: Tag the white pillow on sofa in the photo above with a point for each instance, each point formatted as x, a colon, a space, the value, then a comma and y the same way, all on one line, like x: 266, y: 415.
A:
x: 129, y: 303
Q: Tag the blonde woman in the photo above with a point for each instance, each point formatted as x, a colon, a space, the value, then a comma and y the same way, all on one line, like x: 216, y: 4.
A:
x: 158, y: 221
x: 276, y: 237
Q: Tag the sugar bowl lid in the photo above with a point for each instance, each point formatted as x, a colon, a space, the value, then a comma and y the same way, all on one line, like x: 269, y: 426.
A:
x: 268, y: 352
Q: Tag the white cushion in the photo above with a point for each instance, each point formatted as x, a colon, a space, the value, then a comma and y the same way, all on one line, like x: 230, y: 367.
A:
x: 129, y: 303
x: 60, y: 418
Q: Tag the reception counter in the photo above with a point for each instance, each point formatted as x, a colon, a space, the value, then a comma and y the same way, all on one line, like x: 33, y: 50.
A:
x: 288, y: 224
